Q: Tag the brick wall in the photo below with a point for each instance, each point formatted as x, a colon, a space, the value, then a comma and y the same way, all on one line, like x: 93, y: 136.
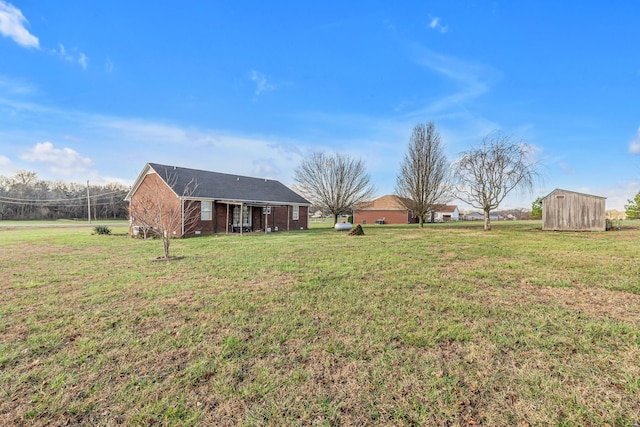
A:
x: 153, y: 195
x: 390, y: 216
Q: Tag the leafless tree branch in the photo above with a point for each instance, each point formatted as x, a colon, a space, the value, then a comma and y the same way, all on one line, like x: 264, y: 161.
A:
x: 157, y: 210
x: 334, y: 182
x: 485, y: 175
x: 424, y: 180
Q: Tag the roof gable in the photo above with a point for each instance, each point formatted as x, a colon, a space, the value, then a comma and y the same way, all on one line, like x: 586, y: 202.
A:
x: 445, y: 208
x: 390, y: 202
x: 557, y: 190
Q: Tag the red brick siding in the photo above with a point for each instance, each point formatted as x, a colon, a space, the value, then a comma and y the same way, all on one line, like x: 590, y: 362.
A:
x: 153, y: 187
x: 282, y: 218
x: 390, y: 216
x: 197, y: 224
x: 277, y: 218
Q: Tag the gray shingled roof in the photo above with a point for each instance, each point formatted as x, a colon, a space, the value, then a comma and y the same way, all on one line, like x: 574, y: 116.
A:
x: 222, y: 186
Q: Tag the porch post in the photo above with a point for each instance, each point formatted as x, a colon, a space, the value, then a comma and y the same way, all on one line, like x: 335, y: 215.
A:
x: 241, y: 218
x: 182, y: 219
x: 226, y: 227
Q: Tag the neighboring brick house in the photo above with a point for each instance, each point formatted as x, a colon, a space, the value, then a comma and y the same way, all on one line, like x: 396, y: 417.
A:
x: 220, y: 203
x: 383, y: 210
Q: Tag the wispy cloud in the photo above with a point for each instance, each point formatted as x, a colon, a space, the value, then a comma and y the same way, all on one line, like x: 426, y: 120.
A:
x: 472, y: 79
x: 634, y: 145
x: 436, y: 24
x: 262, y: 85
x: 4, y: 161
x: 74, y: 55
x: 63, y: 161
x: 108, y: 66
x: 566, y: 168
x: 12, y: 25
x: 83, y: 60
x: 13, y: 86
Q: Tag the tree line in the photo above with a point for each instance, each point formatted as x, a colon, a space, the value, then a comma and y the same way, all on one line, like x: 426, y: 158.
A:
x: 24, y: 196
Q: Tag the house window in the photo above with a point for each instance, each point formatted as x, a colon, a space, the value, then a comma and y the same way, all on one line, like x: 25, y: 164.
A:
x: 205, y: 210
x: 295, y: 215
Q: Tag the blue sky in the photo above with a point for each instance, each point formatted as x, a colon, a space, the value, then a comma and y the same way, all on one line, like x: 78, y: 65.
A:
x: 94, y: 90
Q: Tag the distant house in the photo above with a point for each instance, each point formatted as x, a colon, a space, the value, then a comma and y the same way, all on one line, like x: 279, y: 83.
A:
x: 223, y: 202
x: 473, y: 216
x: 478, y: 216
x: 383, y: 210
x: 445, y: 213
x: 564, y: 210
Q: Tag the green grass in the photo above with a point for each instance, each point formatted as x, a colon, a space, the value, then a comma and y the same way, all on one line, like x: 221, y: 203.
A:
x: 446, y: 325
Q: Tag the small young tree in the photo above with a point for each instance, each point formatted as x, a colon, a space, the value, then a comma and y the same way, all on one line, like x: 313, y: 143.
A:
x: 632, y: 210
x: 158, y: 211
x: 488, y: 173
x: 424, y: 178
x: 334, y: 182
x: 536, y: 208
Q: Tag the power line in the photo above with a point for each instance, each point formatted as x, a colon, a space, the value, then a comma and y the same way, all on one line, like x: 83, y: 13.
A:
x: 95, y: 196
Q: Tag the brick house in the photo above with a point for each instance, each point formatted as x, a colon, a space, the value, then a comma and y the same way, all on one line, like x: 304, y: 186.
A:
x: 204, y: 202
x: 383, y: 210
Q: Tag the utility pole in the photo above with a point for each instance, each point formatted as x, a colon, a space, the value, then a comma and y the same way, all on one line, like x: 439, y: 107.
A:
x: 88, y: 203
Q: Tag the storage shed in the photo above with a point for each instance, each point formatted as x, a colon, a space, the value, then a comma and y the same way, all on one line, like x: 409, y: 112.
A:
x: 564, y: 210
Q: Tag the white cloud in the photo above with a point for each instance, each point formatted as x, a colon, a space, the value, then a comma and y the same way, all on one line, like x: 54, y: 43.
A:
x: 108, y: 66
x: 4, y: 161
x: 265, y: 167
x: 15, y: 86
x: 74, y: 56
x: 435, y: 24
x: 566, y: 168
x: 634, y: 145
x: 83, y: 60
x: 472, y: 80
x: 63, y: 161
x: 262, y: 85
x: 12, y: 25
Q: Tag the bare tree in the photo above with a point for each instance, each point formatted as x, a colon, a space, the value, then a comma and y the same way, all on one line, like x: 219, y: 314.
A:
x: 157, y: 210
x: 334, y: 182
x: 486, y: 174
x: 424, y: 179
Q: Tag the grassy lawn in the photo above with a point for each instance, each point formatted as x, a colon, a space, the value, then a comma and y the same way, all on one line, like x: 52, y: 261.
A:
x: 446, y: 325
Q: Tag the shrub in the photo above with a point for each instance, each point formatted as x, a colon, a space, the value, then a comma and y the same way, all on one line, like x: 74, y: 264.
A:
x: 101, y: 229
x: 350, y: 219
